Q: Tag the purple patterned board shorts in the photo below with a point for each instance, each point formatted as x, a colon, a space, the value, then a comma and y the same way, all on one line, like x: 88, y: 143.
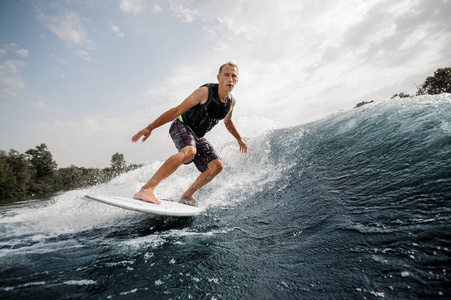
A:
x: 183, y: 136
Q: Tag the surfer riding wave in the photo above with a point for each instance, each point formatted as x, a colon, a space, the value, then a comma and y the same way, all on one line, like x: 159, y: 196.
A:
x: 191, y: 120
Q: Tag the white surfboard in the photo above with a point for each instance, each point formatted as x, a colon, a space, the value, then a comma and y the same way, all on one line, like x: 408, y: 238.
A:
x: 166, y: 208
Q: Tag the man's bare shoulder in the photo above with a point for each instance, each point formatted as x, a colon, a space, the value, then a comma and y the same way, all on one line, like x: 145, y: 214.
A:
x: 201, y: 94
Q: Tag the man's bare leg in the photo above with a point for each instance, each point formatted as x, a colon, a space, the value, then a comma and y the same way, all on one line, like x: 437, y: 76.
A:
x: 214, y: 167
x: 147, y: 191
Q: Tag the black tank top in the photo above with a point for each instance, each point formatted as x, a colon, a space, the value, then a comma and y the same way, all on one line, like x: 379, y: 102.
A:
x: 203, y: 117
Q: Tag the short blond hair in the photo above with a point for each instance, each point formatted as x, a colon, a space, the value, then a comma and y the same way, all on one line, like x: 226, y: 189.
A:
x: 228, y: 64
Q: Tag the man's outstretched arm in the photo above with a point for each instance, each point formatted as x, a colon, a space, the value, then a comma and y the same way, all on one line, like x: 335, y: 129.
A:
x: 198, y: 96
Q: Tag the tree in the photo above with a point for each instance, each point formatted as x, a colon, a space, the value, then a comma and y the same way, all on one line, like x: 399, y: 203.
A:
x: 118, y: 164
x: 44, y: 167
x: 15, y: 175
x: 70, y: 178
x: 21, y: 169
x: 8, y: 182
x: 42, y: 161
x: 437, y: 84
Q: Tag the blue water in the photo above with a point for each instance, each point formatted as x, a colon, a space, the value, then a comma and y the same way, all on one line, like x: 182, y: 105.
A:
x: 353, y: 206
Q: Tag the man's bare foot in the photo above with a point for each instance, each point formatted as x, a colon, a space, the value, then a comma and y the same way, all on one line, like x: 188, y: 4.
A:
x: 189, y: 201
x: 146, y: 195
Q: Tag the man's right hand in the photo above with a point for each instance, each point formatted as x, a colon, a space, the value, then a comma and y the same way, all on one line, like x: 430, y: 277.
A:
x: 145, y: 133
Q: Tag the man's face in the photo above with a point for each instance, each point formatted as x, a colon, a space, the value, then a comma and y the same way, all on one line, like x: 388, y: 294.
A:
x: 228, y: 78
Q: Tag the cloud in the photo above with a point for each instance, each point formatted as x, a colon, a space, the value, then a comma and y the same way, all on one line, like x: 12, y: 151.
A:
x: 84, y: 55
x: 11, y: 78
x: 302, y: 59
x: 132, y: 6
x: 96, y: 137
x: 185, y: 14
x: 157, y: 8
x: 68, y: 27
x: 40, y: 104
x: 117, y: 31
x: 22, y: 52
x: 13, y: 48
x: 397, y: 38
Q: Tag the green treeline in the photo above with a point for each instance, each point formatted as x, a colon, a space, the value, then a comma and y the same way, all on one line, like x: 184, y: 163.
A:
x: 35, y: 173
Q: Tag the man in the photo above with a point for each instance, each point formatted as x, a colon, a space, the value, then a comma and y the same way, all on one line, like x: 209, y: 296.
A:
x: 192, y: 119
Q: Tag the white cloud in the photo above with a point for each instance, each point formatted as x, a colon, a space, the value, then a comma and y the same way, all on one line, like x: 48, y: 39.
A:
x: 187, y: 15
x: 22, y: 52
x: 46, y: 108
x: 40, y: 104
x: 302, y: 59
x: 157, y: 8
x: 90, y: 141
x: 68, y: 27
x: 132, y: 6
x: 11, y: 78
x: 84, y: 55
x: 117, y: 31
x: 12, y: 48
x: 61, y: 60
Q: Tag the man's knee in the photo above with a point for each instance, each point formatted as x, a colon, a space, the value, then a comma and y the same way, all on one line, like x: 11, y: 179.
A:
x: 189, y: 153
x: 216, y: 165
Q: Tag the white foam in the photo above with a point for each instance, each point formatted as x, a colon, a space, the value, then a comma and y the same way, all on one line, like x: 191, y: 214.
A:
x: 80, y: 282
x: 29, y: 227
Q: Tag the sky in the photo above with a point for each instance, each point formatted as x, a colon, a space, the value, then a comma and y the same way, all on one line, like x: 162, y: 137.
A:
x: 84, y: 76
